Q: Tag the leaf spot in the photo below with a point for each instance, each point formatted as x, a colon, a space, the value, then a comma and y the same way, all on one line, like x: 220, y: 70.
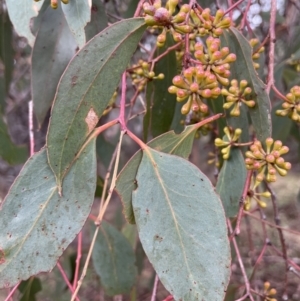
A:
x: 91, y: 120
x: 2, y: 256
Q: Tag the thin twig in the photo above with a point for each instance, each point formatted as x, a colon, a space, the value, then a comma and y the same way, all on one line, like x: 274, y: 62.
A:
x: 153, y: 297
x: 270, y: 82
x: 139, y: 8
x: 237, y: 229
x: 271, y: 224
x: 12, y: 292
x: 232, y: 6
x: 280, y: 233
x: 238, y: 255
x: 245, y: 15
x: 123, y: 103
x: 100, y: 217
x: 65, y: 277
x: 79, y: 248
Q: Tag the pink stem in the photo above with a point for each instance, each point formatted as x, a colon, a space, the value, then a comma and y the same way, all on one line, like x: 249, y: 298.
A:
x: 12, y: 292
x: 65, y: 277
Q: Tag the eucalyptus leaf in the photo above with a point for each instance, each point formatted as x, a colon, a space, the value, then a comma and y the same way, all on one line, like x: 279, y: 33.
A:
x: 20, y: 14
x: 37, y: 224
x: 182, y: 227
x: 98, y: 20
x: 53, y: 49
x: 85, y: 89
x: 78, y: 14
x: 114, y: 260
x: 281, y: 125
x: 244, y: 70
x: 231, y: 182
x: 30, y: 288
x: 177, y: 144
x: 163, y: 103
x: 9, y: 152
x: 6, y: 48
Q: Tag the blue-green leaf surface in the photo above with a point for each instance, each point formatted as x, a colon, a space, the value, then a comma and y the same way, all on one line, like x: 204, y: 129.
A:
x: 182, y: 227
x: 85, y: 89
x: 114, y: 260
x: 37, y: 224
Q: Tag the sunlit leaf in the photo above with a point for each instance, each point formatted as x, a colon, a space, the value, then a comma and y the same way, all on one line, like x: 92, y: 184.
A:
x: 114, y: 260
x: 20, y: 13
x: 231, y: 182
x: 244, y: 70
x: 37, y: 224
x: 85, y: 89
x: 182, y: 227
x: 53, y: 49
x: 78, y: 14
x: 177, y: 144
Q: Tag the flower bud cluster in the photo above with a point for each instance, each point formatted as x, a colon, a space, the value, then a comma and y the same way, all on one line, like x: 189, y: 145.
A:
x: 236, y: 95
x: 256, y: 53
x: 269, y: 292
x: 256, y: 196
x: 267, y: 161
x: 54, y: 3
x: 141, y: 74
x: 194, y: 84
x: 231, y: 138
x: 162, y: 17
x: 291, y: 106
x: 215, y: 60
x: 205, y: 24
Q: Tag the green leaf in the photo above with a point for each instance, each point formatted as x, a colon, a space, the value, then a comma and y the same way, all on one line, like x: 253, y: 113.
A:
x: 85, y: 89
x: 78, y: 14
x: 281, y: 125
x: 177, y: 144
x: 216, y: 106
x: 98, y: 20
x: 114, y: 260
x: 37, y: 224
x: 20, y: 13
x: 6, y: 48
x: 231, y: 182
x: 53, y: 49
x: 30, y: 288
x: 129, y: 13
x: 163, y: 103
x: 178, y: 119
x: 105, y: 150
x: 244, y: 70
x: 182, y: 227
x: 36, y: 21
x: 10, y: 152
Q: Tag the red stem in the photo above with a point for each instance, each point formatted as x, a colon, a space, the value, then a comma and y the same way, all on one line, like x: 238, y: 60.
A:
x: 12, y: 292
x: 123, y: 103
x: 65, y: 277
x: 270, y: 82
x: 232, y: 6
